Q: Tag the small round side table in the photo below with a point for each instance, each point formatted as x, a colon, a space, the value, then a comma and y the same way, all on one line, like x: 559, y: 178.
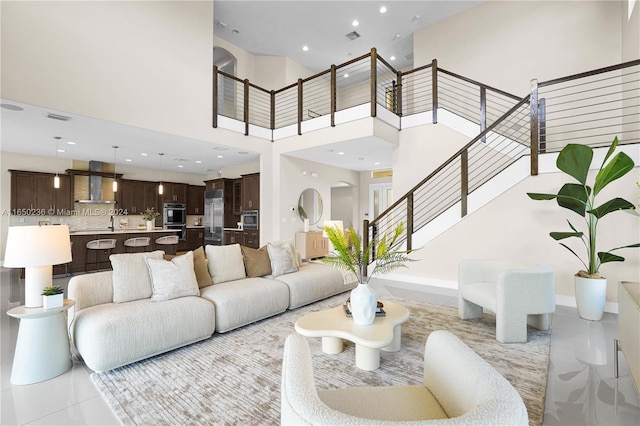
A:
x: 42, y: 349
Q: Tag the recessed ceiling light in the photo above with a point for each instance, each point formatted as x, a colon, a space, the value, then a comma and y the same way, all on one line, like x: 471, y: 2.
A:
x: 392, y: 58
x: 71, y: 143
x: 220, y: 156
x: 235, y: 31
x: 144, y: 154
x: 60, y: 150
x: 305, y: 48
x: 346, y: 75
x: 128, y: 160
x: 180, y: 166
x: 341, y: 153
x: 377, y: 163
x: 416, y: 17
x: 383, y: 9
x: 355, y: 23
x: 198, y: 162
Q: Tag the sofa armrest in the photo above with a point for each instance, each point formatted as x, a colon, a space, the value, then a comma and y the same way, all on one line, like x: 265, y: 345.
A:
x: 91, y: 289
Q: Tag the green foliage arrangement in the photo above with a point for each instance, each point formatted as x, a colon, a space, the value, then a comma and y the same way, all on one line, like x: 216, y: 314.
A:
x: 52, y: 290
x: 349, y: 255
x: 580, y: 198
x: 150, y: 213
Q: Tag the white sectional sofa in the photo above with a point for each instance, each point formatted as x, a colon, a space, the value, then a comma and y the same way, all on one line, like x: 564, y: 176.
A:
x: 147, y: 305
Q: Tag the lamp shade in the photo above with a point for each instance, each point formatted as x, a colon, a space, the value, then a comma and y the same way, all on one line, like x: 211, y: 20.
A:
x: 37, y: 246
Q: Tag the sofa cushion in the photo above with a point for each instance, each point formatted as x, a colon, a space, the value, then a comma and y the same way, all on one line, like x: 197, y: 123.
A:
x: 174, y: 278
x: 313, y: 282
x: 283, y: 259
x: 131, y: 279
x: 256, y: 261
x: 114, y: 334
x: 201, y: 268
x: 245, y: 301
x: 225, y: 263
x: 280, y: 243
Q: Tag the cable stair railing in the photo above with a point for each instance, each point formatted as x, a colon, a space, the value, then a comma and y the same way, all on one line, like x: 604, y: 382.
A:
x: 590, y: 108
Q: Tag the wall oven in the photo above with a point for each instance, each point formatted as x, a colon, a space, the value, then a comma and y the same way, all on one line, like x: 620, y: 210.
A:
x: 250, y: 219
x: 175, y: 217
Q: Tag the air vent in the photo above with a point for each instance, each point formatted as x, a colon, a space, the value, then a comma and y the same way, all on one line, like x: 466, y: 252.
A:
x: 58, y: 117
x: 353, y: 35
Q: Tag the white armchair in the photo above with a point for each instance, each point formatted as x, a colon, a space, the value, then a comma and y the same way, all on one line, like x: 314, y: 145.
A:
x: 518, y: 293
x: 460, y: 388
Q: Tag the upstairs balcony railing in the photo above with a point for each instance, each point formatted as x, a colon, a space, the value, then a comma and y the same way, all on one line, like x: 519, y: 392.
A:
x: 367, y: 81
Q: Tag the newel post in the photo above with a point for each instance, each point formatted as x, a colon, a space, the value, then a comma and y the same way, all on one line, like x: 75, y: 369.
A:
x: 333, y: 95
x: 300, y: 106
x: 246, y: 106
x: 374, y: 81
x: 214, y: 97
x: 434, y: 90
x: 534, y: 125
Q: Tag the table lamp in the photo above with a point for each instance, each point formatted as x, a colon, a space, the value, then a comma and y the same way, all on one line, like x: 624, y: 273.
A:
x: 37, y: 249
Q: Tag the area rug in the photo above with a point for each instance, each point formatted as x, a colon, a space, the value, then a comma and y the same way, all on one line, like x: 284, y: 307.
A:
x: 234, y: 378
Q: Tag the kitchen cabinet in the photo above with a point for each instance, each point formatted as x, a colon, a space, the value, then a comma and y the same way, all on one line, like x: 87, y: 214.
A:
x: 251, y: 191
x: 312, y: 245
x: 135, y: 196
x: 233, y: 237
x: 237, y: 196
x: 195, y: 238
x: 174, y: 192
x: 252, y: 239
x: 195, y: 199
x: 32, y: 193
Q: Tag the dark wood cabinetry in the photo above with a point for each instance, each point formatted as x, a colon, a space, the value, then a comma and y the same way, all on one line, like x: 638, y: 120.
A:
x: 233, y: 237
x: 195, y: 238
x: 195, y: 199
x: 33, y: 193
x: 251, y: 191
x: 237, y: 196
x: 135, y: 196
x: 252, y: 239
x: 174, y: 193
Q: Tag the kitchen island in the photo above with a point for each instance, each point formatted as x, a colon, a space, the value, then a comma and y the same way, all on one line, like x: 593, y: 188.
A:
x: 99, y: 259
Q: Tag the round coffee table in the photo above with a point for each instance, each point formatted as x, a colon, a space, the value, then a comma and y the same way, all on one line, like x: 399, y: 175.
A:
x: 333, y: 325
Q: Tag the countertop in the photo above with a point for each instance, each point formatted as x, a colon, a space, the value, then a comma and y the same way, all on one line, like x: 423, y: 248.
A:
x: 232, y: 229
x: 107, y: 231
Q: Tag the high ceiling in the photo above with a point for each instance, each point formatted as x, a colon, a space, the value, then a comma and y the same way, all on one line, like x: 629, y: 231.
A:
x: 283, y: 28
x: 279, y: 28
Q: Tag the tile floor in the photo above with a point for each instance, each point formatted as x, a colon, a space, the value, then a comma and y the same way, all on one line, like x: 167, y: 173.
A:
x: 581, y: 389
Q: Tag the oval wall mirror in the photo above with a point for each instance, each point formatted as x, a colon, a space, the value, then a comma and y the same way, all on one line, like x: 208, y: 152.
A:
x: 310, y: 206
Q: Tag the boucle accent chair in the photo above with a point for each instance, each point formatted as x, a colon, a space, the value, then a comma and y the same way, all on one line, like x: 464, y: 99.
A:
x: 518, y: 293
x: 460, y: 388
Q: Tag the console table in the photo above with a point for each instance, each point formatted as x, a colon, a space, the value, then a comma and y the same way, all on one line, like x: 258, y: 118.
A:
x: 42, y: 349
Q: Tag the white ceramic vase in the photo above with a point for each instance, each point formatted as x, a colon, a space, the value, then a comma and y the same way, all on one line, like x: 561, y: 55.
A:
x: 306, y: 225
x: 150, y: 225
x: 591, y: 294
x: 363, y: 302
x: 53, y: 301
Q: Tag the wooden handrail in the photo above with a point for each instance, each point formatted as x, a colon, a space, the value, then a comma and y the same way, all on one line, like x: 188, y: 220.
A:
x: 590, y: 73
x: 476, y: 83
x: 381, y: 59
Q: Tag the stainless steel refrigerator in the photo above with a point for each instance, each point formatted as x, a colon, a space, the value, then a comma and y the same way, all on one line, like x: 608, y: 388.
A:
x: 213, y: 216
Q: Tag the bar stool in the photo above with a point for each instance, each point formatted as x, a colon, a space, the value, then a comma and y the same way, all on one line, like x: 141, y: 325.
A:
x: 107, y: 244
x: 171, y: 243
x: 132, y: 244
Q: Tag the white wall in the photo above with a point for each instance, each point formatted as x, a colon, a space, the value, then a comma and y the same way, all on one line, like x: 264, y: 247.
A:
x: 505, y: 44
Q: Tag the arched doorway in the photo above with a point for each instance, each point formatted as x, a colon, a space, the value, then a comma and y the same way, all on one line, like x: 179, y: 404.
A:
x: 227, y: 63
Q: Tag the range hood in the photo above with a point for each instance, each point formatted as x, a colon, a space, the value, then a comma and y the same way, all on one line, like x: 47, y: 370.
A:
x: 95, y: 175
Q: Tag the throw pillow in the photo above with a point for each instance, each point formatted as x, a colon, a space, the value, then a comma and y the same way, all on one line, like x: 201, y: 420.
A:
x: 201, y: 269
x: 131, y: 279
x: 256, y: 261
x: 295, y: 252
x: 225, y: 263
x: 283, y: 260
x: 173, y: 279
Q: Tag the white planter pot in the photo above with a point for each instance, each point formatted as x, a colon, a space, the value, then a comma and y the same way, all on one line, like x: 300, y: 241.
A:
x: 363, y: 304
x: 55, y: 301
x: 306, y: 225
x: 150, y: 225
x: 591, y: 294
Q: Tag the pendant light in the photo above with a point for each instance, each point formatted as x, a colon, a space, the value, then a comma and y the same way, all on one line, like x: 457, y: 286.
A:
x: 161, y: 187
x: 56, y: 179
x: 115, y: 179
